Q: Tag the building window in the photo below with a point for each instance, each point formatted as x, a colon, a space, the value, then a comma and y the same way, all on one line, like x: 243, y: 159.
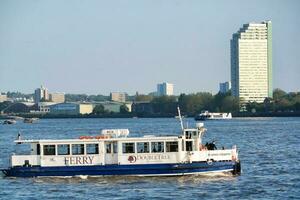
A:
x: 77, y: 149
x: 49, y: 150
x: 172, y: 146
x: 157, y: 147
x: 142, y: 147
x: 128, y: 148
x: 92, y: 149
x: 63, y: 149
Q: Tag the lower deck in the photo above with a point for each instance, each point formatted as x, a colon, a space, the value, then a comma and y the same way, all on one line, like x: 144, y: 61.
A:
x: 129, y: 170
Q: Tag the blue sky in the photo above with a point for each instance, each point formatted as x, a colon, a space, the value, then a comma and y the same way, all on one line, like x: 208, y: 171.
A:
x: 96, y: 47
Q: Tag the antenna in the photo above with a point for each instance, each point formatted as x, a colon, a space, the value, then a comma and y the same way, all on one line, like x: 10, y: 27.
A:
x: 181, y: 123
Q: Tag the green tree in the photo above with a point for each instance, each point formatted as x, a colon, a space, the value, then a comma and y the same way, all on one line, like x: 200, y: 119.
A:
x: 143, y: 98
x: 124, y: 109
x: 99, y: 109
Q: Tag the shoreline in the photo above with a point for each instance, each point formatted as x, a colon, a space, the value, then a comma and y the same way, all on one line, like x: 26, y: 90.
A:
x: 143, y: 115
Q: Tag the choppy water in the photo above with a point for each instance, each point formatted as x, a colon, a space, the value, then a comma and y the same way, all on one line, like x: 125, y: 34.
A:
x: 269, y: 151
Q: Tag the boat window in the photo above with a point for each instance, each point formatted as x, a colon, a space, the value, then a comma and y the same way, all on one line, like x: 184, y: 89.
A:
x: 128, y: 147
x: 38, y: 149
x: 63, y: 149
x: 189, y: 145
x: 142, y: 147
x: 49, y: 150
x: 172, y: 146
x: 77, y: 149
x: 115, y: 147
x: 108, y: 148
x: 92, y: 149
x: 157, y: 147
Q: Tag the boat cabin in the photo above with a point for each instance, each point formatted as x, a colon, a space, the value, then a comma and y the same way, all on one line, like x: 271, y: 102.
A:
x: 114, y: 147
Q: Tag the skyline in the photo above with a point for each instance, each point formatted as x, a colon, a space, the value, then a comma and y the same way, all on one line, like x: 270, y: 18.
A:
x: 100, y: 47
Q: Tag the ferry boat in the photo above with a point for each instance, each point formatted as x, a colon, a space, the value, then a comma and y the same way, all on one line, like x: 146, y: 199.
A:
x: 115, y: 153
x: 211, y: 116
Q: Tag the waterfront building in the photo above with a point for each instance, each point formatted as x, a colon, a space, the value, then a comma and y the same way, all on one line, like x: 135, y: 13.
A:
x: 19, y: 107
x: 41, y: 94
x: 225, y: 87
x: 71, y: 109
x: 3, y: 97
x: 165, y: 89
x: 44, y: 107
x: 115, y: 107
x: 57, y: 97
x: 251, y: 62
x: 118, y: 96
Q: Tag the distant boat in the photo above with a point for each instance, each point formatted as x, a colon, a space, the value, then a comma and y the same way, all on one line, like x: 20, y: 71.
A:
x: 212, y: 116
x: 9, y: 121
x: 30, y: 120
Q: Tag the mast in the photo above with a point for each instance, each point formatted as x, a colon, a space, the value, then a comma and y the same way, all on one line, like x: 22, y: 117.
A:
x: 179, y: 115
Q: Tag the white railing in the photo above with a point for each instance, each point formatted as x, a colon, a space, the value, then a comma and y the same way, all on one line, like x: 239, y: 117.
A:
x: 21, y: 160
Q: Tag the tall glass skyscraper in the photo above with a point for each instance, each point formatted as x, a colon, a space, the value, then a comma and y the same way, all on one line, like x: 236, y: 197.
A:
x: 251, y: 62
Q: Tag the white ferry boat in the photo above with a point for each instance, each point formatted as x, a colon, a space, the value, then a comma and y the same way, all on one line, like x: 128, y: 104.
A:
x: 211, y: 116
x: 115, y: 153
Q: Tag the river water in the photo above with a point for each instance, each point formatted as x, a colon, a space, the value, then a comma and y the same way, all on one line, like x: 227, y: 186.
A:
x: 269, y: 153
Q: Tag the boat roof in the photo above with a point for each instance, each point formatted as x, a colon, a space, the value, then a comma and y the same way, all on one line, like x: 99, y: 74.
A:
x: 77, y: 140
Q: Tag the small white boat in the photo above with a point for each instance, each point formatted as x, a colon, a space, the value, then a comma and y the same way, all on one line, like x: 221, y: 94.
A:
x: 115, y: 153
x: 213, y: 116
x: 10, y: 121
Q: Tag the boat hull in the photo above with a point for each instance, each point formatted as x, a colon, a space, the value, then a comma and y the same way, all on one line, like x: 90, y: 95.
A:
x: 127, y: 170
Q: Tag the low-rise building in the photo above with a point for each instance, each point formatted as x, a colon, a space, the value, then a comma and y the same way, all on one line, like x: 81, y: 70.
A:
x: 57, y: 97
x: 44, y: 107
x: 71, y: 109
x: 118, y: 97
x: 3, y: 97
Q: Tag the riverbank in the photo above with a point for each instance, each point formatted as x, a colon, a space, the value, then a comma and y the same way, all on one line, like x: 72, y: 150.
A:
x: 144, y: 115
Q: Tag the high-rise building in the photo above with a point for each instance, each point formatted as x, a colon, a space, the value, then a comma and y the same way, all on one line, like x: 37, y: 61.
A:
x: 165, y: 89
x: 251, y: 62
x: 57, y: 97
x: 118, y: 96
x: 225, y: 87
x: 41, y: 94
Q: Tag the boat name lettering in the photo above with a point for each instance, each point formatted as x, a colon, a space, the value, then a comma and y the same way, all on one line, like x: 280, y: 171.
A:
x: 79, y: 160
x: 133, y: 159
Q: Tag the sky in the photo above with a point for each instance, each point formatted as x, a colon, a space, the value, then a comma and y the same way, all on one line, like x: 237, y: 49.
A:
x: 96, y: 47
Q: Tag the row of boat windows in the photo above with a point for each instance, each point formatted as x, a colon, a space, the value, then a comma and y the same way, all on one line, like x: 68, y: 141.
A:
x: 80, y: 149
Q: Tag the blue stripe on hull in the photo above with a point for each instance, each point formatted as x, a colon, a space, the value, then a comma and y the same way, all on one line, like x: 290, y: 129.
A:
x: 103, y: 170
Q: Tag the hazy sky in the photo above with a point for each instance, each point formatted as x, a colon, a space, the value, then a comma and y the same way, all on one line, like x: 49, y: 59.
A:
x: 96, y: 47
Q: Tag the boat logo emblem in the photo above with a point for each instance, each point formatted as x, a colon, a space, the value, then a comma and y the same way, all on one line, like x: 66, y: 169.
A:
x: 132, y: 159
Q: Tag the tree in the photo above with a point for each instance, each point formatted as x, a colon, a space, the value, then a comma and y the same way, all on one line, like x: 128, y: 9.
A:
x: 124, y: 109
x: 143, y: 98
x: 99, y: 109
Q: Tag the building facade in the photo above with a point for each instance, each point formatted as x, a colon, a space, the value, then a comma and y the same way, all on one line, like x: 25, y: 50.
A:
x: 225, y: 87
x: 57, y: 97
x: 165, y: 89
x: 251, y: 62
x: 3, y: 97
x: 41, y: 93
x: 118, y: 97
x: 71, y: 109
